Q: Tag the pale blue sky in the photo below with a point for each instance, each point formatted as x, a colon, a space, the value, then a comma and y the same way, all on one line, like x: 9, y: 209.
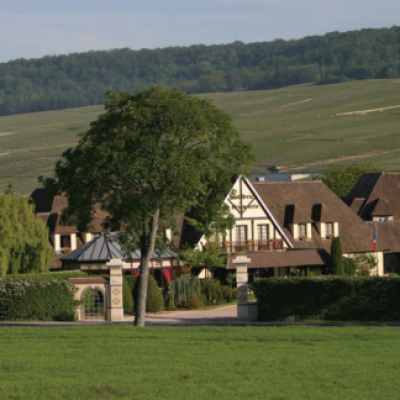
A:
x: 35, y: 28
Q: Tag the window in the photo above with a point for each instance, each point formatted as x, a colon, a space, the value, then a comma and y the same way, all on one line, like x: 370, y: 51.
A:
x: 263, y: 233
x: 329, y: 229
x: 383, y: 218
x: 66, y: 241
x: 241, y: 233
x: 302, y: 230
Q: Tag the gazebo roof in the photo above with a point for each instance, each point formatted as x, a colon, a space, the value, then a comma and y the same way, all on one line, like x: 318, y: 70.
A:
x: 103, y: 248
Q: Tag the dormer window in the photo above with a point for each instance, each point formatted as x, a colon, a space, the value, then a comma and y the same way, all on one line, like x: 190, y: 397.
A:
x: 66, y: 241
x: 302, y: 229
x: 329, y: 229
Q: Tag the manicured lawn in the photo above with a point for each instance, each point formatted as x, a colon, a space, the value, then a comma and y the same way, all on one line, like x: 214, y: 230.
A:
x: 199, y: 363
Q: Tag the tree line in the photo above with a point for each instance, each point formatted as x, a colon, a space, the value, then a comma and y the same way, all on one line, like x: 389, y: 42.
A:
x: 80, y: 79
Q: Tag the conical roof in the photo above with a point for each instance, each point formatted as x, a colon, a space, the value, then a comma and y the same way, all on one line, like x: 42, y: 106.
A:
x: 103, y: 248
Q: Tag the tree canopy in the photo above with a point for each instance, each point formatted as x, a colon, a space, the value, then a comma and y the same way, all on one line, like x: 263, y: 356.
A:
x: 79, y: 79
x: 24, y: 240
x: 149, y: 157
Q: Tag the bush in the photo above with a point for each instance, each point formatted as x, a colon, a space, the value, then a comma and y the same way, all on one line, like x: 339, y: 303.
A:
x: 349, y: 266
x: 363, y: 299
x: 228, y: 293
x: 40, y: 299
x: 211, y: 292
x: 184, y: 292
x: 154, y: 301
x: 127, y: 296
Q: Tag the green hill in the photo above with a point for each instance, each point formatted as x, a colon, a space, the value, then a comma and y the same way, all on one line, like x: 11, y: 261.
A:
x: 298, y: 128
x: 80, y: 79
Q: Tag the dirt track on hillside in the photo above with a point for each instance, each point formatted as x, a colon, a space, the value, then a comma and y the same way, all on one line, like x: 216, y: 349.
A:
x: 336, y: 159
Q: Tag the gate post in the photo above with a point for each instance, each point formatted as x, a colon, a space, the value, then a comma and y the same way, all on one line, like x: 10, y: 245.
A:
x: 245, y: 310
x: 115, y: 309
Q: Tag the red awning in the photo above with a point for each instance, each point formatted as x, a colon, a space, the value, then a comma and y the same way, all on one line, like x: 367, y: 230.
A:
x: 167, y: 274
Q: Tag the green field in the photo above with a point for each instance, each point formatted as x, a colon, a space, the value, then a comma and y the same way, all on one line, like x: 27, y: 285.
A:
x: 297, y: 128
x: 123, y: 362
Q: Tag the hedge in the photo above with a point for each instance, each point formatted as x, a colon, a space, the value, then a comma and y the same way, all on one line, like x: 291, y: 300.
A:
x: 64, y: 276
x: 344, y: 299
x: 37, y: 299
x: 154, y: 301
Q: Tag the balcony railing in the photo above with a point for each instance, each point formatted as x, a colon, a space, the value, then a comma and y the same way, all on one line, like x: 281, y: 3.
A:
x: 252, y: 245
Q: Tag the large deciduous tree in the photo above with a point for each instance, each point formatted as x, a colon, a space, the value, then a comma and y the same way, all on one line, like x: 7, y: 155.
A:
x: 148, y: 157
x: 24, y: 241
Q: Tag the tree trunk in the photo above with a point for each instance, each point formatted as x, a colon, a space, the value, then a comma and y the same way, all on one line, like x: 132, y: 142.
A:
x: 144, y: 273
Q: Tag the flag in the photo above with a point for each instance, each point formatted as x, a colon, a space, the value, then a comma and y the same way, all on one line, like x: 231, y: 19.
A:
x: 375, y: 238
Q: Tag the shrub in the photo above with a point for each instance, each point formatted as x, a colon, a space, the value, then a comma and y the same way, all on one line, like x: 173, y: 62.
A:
x: 127, y: 296
x: 336, y: 264
x: 363, y: 299
x: 349, y: 266
x: 228, y: 293
x: 211, y: 291
x: 183, y: 292
x: 154, y: 301
x: 40, y: 299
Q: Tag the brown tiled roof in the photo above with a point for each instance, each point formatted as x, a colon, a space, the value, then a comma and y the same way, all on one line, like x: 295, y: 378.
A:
x: 356, y: 204
x: 381, y: 208
x: 388, y: 233
x: 321, y: 213
x: 287, y: 258
x: 356, y: 235
x: 55, y: 225
x: 45, y: 204
x: 295, y: 214
x: 377, y: 187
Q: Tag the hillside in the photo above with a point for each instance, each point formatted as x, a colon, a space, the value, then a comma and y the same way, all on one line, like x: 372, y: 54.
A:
x: 75, y: 80
x: 304, y: 127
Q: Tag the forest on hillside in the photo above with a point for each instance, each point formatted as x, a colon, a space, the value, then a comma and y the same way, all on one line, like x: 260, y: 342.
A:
x: 80, y: 79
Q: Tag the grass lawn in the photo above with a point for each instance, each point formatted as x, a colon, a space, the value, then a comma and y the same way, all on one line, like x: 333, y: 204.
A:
x: 199, y: 363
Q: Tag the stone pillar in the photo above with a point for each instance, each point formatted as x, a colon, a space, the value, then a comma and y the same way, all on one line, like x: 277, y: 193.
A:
x: 245, y: 311
x: 115, y: 309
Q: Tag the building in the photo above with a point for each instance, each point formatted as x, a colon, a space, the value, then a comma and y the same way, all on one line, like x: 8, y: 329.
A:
x: 284, y: 224
x: 375, y: 198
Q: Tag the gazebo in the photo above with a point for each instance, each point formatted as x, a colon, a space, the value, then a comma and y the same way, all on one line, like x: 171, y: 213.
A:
x: 93, y: 257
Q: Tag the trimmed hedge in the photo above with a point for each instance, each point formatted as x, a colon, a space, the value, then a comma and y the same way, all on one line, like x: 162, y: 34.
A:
x: 64, y: 276
x: 37, y: 299
x: 127, y: 293
x: 344, y: 299
x: 154, y: 301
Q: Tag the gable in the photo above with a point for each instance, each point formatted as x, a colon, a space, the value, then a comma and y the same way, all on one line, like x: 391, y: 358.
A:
x: 246, y: 204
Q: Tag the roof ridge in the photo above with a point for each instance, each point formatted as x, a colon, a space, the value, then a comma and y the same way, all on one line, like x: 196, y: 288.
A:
x: 286, y: 182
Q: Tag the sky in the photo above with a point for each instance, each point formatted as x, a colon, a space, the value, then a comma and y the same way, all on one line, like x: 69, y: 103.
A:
x: 35, y: 28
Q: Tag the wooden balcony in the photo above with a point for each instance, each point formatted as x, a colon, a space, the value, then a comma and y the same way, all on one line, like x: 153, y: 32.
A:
x: 252, y: 245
